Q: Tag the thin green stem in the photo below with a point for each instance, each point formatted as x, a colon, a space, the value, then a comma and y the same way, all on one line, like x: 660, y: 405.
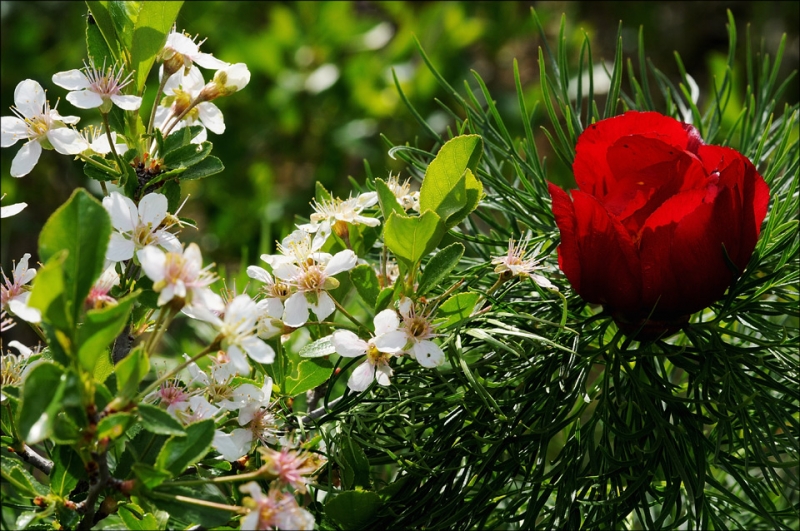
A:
x: 355, y: 321
x: 111, y: 142
x: 255, y: 474
x: 160, y: 91
x: 178, y: 118
x: 203, y: 503
x: 93, y: 162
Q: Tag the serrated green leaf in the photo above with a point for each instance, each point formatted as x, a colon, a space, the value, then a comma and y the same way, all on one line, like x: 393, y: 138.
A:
x: 366, y: 282
x: 439, y: 267
x: 153, y: 23
x: 41, y: 401
x: 387, y: 200
x: 49, y: 298
x: 321, y: 194
x: 181, y: 137
x: 67, y: 471
x: 384, y: 298
x: 93, y: 172
x: 209, y: 166
x: 137, y: 520
x: 123, y: 17
x: 21, y: 479
x: 103, y: 23
x: 319, y: 348
x: 100, y: 328
x: 353, y: 509
x: 113, y: 425
x: 304, y: 374
x: 181, y: 451
x: 131, y: 370
x: 172, y: 191
x: 156, y: 420
x: 149, y: 475
x: 82, y: 227
x: 444, y: 187
x: 457, y: 308
x: 187, y: 156
x: 411, y: 238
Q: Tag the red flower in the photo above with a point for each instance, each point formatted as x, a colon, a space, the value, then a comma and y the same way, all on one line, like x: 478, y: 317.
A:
x: 661, y: 223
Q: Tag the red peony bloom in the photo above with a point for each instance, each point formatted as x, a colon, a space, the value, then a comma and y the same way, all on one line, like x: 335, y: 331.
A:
x: 661, y: 223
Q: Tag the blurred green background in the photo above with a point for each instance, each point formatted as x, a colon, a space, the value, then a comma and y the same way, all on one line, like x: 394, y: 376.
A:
x: 322, y: 93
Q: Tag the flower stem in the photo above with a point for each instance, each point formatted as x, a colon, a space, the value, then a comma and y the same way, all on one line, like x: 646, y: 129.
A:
x: 111, y: 143
x: 203, y: 503
x: 160, y: 91
x: 255, y: 474
x: 355, y: 321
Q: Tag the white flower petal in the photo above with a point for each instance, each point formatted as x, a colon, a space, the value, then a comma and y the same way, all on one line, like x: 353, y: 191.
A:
x: 12, y: 210
x: 232, y: 446
x: 348, y: 344
x: 295, y: 312
x: 405, y: 307
x: 25, y: 159
x: 168, y: 241
x: 85, y: 99
x: 67, y: 141
x: 271, y: 307
x: 385, y: 322
x: 367, y: 199
x: 428, y: 354
x: 211, y: 117
x: 258, y: 350
x: 153, y: 209
x: 13, y: 129
x: 238, y: 360
x: 123, y: 212
x: 383, y: 373
x: 323, y: 307
x: 237, y: 76
x: 29, y: 98
x: 391, y: 342
x: 119, y: 248
x: 241, y: 309
x: 341, y: 261
x: 362, y: 376
x: 206, y: 60
x: 127, y: 103
x: 71, y: 80
x: 23, y: 311
x: 260, y: 274
x: 153, y: 260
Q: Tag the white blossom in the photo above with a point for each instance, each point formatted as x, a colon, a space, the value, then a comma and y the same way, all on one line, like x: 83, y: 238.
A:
x: 14, y: 292
x: 137, y: 227
x: 277, y: 510
x: 95, y: 87
x: 41, y: 126
x: 516, y: 263
x: 419, y: 332
x: 180, y: 276
x: 180, y: 92
x: 388, y: 340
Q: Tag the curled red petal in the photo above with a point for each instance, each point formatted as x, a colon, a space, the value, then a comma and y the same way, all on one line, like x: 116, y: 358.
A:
x: 590, y: 167
x: 568, y: 255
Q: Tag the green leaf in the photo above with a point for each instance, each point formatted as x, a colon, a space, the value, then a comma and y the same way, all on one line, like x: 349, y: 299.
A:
x: 209, y: 166
x: 187, y: 156
x: 319, y: 348
x: 123, y: 17
x: 100, y: 329
x: 154, y: 21
x: 104, y: 25
x: 366, y: 282
x: 149, y: 475
x: 457, y: 308
x: 67, y: 471
x: 21, y: 479
x: 156, y: 420
x: 113, y: 425
x: 354, y: 465
x: 137, y: 520
x: 304, y: 374
x: 181, y: 137
x: 48, y: 296
x: 411, y: 238
x: 439, y: 267
x: 98, y: 174
x: 172, y: 190
x: 384, y: 298
x: 353, y: 509
x: 41, y: 401
x: 82, y: 227
x: 181, y: 451
x: 445, y: 185
x: 388, y: 200
x: 131, y: 370
x: 321, y: 194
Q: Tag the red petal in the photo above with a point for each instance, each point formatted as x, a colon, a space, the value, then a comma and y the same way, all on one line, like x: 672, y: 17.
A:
x: 568, y: 256
x: 610, y: 268
x: 591, y: 170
